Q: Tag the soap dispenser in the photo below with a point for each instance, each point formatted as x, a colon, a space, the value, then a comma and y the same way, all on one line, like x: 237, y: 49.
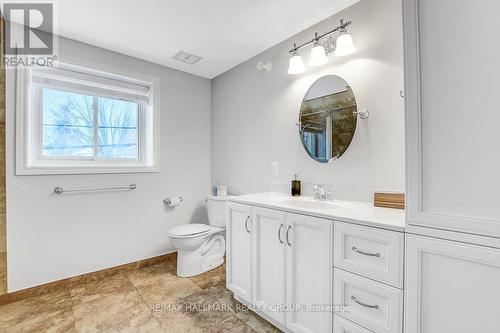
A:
x: 295, y: 187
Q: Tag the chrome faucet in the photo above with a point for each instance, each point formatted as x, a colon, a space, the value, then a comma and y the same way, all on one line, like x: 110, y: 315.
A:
x: 319, y: 193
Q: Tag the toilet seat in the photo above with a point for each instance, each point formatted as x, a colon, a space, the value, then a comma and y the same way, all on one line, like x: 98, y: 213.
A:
x: 189, y: 230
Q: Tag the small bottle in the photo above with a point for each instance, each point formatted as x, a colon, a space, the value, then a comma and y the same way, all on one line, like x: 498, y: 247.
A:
x: 295, y: 187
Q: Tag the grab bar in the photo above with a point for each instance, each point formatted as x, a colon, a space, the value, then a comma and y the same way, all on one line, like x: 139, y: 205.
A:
x: 60, y: 190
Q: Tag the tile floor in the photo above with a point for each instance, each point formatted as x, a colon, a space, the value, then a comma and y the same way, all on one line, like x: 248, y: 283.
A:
x: 3, y: 272
x: 150, y: 299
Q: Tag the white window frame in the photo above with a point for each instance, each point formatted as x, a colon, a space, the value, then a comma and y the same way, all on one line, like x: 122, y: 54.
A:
x: 29, y: 150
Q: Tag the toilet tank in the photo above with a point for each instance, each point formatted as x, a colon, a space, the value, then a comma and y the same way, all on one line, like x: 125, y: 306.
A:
x: 216, y: 207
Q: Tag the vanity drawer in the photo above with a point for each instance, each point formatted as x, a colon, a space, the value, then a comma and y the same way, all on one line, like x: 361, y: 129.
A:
x: 373, y: 305
x: 342, y: 325
x: 371, y: 252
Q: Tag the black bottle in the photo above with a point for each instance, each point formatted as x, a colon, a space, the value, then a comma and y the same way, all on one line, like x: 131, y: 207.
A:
x: 295, y: 187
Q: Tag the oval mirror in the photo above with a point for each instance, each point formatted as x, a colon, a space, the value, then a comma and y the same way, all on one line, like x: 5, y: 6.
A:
x: 327, y: 118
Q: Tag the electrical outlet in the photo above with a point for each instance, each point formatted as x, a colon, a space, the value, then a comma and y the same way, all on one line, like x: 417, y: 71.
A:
x: 274, y: 169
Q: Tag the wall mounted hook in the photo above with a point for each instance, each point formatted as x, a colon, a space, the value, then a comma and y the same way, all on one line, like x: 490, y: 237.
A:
x: 261, y: 66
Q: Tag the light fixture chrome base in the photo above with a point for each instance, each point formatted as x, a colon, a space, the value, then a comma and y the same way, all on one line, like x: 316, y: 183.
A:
x: 341, y: 28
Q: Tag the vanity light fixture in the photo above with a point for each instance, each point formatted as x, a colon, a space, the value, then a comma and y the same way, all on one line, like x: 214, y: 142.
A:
x: 344, y: 45
x: 296, y: 64
x: 319, y: 55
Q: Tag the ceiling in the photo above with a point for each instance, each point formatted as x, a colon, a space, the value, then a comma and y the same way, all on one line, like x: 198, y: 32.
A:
x: 224, y: 33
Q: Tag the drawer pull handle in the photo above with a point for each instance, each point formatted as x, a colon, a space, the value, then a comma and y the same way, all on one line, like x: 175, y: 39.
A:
x: 279, y: 233
x: 287, y: 231
x: 364, y: 304
x: 246, y: 224
x: 365, y: 253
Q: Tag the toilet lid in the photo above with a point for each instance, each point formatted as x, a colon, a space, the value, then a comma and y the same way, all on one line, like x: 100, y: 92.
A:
x: 189, y: 230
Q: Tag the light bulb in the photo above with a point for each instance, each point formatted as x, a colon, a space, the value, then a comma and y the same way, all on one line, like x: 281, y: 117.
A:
x: 296, y: 65
x: 318, y: 55
x: 344, y: 45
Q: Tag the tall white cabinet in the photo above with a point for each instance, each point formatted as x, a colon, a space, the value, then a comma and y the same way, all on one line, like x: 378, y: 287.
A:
x: 452, y: 74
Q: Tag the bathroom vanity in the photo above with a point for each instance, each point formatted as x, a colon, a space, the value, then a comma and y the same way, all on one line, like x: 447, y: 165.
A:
x: 284, y: 252
x: 327, y: 257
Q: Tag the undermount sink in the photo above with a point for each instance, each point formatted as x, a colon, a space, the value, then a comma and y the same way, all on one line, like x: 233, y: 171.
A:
x: 306, y: 203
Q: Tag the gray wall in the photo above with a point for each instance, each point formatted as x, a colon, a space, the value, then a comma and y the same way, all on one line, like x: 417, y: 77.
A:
x: 254, y: 113
x: 54, y: 237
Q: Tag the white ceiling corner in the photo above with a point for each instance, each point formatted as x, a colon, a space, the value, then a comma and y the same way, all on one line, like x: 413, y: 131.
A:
x: 224, y: 33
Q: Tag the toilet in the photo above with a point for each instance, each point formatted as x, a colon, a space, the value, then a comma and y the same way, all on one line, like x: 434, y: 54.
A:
x: 201, y: 247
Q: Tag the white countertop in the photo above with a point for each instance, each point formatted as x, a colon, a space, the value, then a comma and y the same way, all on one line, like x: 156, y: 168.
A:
x: 348, y: 211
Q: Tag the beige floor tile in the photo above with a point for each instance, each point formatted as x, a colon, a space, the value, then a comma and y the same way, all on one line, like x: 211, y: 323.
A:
x: 152, y: 274
x: 233, y: 325
x: 150, y: 299
x: 258, y: 324
x: 115, y: 313
x: 91, y: 290
x: 47, y: 313
x: 224, y: 296
x: 177, y: 321
x: 198, y: 311
x: 208, y: 279
x: 111, y: 305
x: 157, y: 285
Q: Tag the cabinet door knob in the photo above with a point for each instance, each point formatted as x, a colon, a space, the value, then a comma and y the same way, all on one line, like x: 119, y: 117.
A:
x: 287, y: 231
x: 364, y: 304
x: 246, y: 224
x: 365, y: 253
x: 279, y: 233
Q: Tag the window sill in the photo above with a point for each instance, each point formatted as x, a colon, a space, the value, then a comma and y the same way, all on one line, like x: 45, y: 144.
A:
x: 75, y: 170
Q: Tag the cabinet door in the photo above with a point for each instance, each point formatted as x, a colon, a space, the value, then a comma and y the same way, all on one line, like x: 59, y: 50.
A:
x: 239, y: 250
x: 269, y: 262
x: 309, y: 273
x: 451, y: 287
x: 452, y: 115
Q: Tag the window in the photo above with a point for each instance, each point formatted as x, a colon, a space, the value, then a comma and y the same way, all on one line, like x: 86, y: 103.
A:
x: 69, y: 120
x: 78, y: 120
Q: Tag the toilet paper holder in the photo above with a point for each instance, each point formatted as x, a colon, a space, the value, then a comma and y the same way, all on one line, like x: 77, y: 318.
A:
x: 172, y: 202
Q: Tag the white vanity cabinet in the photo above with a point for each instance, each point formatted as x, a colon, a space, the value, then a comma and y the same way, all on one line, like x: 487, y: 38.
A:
x: 291, y: 264
x: 300, y: 264
x: 451, y: 287
x: 239, y: 250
